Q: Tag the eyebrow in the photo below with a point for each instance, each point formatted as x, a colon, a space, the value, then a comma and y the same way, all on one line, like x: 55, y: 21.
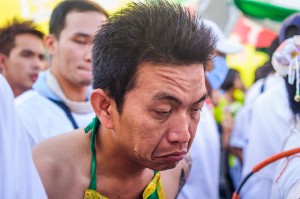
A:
x: 80, y: 34
x: 166, y: 96
x: 202, y: 98
x: 31, y: 51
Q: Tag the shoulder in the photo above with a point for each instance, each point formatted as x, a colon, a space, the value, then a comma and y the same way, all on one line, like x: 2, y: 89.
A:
x: 56, y: 160
x: 41, y: 117
x: 52, y: 166
x: 253, y: 91
x: 271, y: 101
x: 174, y: 179
x: 32, y: 99
x: 31, y: 103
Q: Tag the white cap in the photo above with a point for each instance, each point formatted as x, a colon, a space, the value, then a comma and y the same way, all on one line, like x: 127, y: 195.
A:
x: 223, y: 44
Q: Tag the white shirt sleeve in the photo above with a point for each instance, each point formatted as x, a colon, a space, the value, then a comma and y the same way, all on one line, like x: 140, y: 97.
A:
x: 18, y: 175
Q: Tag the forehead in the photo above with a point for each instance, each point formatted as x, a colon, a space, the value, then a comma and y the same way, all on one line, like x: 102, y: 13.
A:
x: 177, y: 80
x: 29, y: 41
x: 86, y: 22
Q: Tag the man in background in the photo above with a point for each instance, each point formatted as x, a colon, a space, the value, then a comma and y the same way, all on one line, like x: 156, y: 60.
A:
x: 149, y: 88
x: 61, y: 101
x: 21, y: 54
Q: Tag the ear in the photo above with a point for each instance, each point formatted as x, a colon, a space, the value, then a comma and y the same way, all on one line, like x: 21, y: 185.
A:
x: 103, y: 105
x: 3, y: 62
x: 50, y: 43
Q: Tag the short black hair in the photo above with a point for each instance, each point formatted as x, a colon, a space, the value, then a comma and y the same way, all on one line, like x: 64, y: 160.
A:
x: 263, y: 71
x: 229, y: 80
x: 157, y: 32
x: 16, y: 27
x: 58, y: 16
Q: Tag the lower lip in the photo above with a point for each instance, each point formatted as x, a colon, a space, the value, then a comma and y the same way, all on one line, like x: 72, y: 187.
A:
x: 172, y: 158
x: 85, y: 69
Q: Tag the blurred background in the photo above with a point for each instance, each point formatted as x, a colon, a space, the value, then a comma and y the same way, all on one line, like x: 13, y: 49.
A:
x: 254, y: 23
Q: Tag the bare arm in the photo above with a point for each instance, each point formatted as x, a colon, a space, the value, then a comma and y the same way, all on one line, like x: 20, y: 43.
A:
x: 174, y: 179
x: 55, y: 168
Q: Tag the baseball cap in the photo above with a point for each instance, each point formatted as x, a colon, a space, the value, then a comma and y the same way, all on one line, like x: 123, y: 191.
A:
x: 290, y: 27
x: 223, y: 44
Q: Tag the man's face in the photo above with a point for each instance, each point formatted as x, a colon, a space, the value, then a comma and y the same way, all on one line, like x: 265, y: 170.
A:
x: 71, y: 52
x: 24, y: 62
x: 160, y: 114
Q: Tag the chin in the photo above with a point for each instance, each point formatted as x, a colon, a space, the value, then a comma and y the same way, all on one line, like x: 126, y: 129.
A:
x: 85, y: 82
x: 162, y: 167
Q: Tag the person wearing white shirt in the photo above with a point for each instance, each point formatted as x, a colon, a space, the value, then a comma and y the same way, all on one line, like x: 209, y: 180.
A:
x: 18, y: 175
x: 286, y: 181
x: 60, y: 102
x: 270, y: 119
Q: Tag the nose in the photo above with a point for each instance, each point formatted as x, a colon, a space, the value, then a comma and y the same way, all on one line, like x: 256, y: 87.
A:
x: 179, y: 131
x: 88, y: 56
x: 38, y: 64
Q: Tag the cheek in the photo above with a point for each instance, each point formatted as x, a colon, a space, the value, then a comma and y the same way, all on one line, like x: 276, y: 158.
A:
x: 193, y: 128
x: 146, y: 137
x: 67, y: 51
x: 19, y: 66
x: 148, y: 133
x: 68, y: 60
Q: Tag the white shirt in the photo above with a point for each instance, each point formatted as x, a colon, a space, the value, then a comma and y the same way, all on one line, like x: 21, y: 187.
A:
x: 18, y: 175
x: 286, y: 183
x: 203, y: 180
x: 271, y: 118
x: 44, y: 119
x: 240, y: 132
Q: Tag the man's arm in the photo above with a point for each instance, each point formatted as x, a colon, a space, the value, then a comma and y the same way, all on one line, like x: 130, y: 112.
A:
x: 52, y: 168
x: 174, y: 179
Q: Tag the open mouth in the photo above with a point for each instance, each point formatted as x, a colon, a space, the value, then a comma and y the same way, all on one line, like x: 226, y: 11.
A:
x: 33, y: 77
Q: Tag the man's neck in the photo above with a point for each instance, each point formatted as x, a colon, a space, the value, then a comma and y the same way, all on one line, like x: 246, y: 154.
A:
x: 15, y: 89
x: 17, y: 92
x: 117, y: 171
x: 117, y: 159
x: 76, y: 93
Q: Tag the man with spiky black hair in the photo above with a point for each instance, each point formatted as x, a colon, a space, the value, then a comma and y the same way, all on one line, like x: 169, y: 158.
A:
x: 149, y: 87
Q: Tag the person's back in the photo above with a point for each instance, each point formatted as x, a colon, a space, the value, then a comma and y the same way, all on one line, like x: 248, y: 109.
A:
x: 19, y: 177
x: 286, y: 179
x: 21, y: 54
x: 262, y: 82
x: 62, y: 100
x: 149, y: 87
x: 266, y: 133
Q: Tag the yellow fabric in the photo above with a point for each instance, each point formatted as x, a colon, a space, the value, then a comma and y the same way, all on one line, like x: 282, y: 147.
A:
x: 92, y: 194
x: 154, y: 185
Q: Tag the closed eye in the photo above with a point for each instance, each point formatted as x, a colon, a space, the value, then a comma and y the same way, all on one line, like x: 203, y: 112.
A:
x: 197, y: 109
x: 163, y: 113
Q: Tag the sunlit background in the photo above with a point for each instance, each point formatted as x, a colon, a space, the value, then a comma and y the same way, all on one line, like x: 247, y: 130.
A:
x: 253, y: 23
